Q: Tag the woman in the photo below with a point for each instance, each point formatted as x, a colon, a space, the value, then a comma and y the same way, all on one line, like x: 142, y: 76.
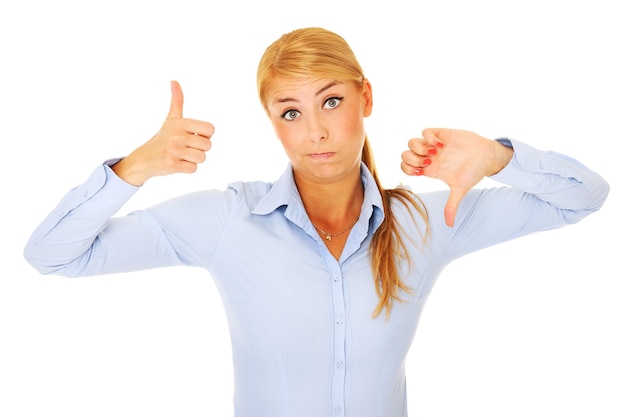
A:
x: 323, y: 273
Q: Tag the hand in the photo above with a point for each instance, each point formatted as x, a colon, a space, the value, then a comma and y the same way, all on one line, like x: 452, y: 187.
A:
x: 459, y: 158
x: 179, y: 146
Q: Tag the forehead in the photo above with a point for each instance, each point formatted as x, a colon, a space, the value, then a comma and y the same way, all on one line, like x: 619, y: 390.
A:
x: 282, y: 89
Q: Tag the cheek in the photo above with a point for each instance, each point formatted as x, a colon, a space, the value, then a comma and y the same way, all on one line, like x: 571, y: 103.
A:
x: 353, y: 123
x: 280, y: 131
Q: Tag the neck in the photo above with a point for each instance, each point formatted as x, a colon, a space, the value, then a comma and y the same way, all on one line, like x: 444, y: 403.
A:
x: 332, y: 206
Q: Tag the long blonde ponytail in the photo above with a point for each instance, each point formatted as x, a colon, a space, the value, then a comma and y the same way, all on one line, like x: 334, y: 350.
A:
x: 387, y: 243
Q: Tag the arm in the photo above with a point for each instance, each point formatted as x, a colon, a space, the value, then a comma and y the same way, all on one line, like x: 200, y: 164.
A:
x: 80, y: 237
x: 544, y: 190
x: 462, y: 159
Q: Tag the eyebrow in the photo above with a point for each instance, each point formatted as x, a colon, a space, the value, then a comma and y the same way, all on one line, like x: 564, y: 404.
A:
x: 317, y: 93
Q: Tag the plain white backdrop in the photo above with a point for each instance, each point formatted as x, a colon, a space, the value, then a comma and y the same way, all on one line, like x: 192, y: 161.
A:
x: 531, y: 327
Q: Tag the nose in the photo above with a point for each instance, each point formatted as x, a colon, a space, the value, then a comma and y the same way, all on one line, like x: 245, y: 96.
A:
x: 317, y: 130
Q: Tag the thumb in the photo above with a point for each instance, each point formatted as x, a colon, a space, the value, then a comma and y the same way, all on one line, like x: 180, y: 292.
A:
x: 455, y: 197
x: 176, y: 105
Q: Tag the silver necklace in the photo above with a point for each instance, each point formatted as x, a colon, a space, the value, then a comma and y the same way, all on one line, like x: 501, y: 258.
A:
x: 330, y: 236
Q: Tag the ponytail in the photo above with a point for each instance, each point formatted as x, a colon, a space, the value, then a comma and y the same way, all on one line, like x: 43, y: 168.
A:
x: 387, y: 243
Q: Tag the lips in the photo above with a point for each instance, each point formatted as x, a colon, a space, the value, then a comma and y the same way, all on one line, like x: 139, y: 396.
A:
x: 322, y: 156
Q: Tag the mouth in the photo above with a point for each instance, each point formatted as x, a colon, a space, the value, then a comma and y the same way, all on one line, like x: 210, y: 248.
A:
x: 322, y: 156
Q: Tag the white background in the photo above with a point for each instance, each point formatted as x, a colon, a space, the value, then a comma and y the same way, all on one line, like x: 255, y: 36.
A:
x: 533, y: 327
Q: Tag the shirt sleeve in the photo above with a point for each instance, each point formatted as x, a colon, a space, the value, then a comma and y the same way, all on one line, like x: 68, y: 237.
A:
x: 81, y: 237
x: 540, y: 190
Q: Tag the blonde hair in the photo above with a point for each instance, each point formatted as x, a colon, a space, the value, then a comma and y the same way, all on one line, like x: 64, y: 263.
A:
x: 318, y: 52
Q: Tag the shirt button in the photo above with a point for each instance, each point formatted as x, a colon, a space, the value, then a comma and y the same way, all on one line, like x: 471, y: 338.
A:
x: 339, y: 365
x: 337, y: 410
x: 336, y: 277
x: 339, y: 320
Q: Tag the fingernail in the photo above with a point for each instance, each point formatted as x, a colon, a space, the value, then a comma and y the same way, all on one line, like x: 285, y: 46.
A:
x: 432, y: 152
x: 419, y: 171
x: 427, y: 161
x: 439, y: 145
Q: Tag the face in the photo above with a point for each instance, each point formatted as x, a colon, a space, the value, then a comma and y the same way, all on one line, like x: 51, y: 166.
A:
x: 320, y: 125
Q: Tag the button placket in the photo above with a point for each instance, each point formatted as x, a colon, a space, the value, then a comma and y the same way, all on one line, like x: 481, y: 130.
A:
x: 339, y: 343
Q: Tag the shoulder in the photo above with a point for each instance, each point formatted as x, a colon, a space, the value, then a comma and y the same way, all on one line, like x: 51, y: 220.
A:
x: 248, y: 193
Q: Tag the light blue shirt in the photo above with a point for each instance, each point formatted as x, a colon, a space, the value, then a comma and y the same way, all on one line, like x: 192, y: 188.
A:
x: 303, y: 337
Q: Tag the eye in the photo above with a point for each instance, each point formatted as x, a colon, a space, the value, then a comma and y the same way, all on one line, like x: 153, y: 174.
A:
x: 290, y: 114
x: 332, y: 102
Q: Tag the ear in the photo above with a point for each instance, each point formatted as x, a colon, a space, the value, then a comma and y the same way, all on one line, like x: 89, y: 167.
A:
x: 368, y: 99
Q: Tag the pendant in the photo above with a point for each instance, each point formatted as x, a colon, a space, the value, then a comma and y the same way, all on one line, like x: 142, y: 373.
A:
x: 329, y: 237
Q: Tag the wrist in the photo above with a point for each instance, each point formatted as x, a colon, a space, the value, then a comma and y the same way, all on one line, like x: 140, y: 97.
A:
x: 129, y: 172
x: 501, y: 153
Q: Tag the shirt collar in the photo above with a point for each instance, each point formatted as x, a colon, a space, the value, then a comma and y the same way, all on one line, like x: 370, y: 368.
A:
x: 284, y: 193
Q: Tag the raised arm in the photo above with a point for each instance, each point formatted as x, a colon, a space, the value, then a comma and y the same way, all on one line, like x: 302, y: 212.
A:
x: 81, y: 236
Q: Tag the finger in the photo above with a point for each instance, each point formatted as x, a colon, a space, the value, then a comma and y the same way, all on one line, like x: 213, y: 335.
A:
x: 199, y: 142
x: 435, y: 136
x: 199, y: 127
x: 421, y: 147
x: 455, y: 197
x: 193, y: 155
x: 410, y: 169
x: 176, y: 105
x: 414, y: 170
x: 184, y: 167
x: 414, y: 161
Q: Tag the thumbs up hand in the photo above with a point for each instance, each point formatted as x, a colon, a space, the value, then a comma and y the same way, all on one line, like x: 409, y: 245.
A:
x: 178, y: 147
x: 459, y: 158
